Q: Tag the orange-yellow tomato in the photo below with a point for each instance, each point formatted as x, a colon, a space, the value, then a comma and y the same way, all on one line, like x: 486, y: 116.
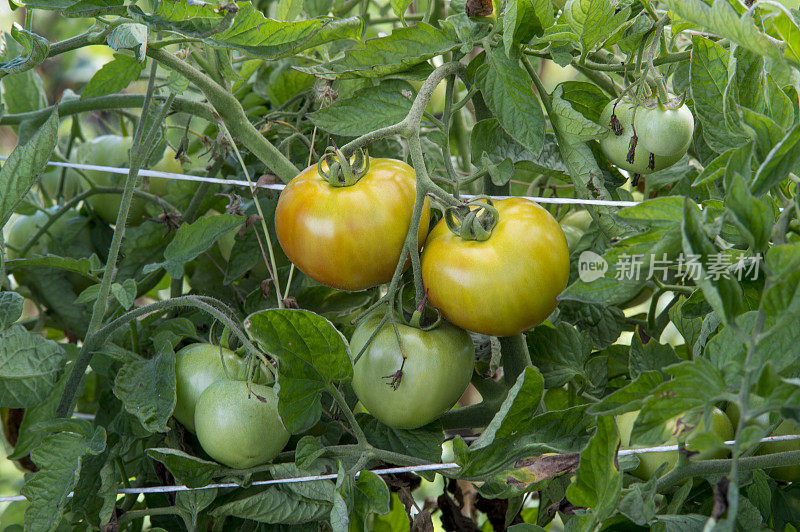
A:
x: 349, y: 237
x: 506, y: 284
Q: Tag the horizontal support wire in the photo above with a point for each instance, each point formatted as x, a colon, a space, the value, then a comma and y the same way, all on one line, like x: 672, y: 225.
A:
x: 451, y: 466
x: 240, y: 183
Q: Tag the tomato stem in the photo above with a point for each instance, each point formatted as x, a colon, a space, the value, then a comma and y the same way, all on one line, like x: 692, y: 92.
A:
x: 143, y: 144
x: 348, y: 413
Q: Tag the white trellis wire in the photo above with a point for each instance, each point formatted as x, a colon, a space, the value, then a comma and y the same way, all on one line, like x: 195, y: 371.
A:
x: 384, y: 471
x: 241, y: 183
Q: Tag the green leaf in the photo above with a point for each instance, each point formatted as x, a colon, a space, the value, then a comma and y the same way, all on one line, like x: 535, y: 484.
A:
x: 506, y: 88
x: 553, y: 432
x: 196, y: 501
x: 311, y: 355
x: 79, y: 8
x: 630, y: 397
x: 36, y: 49
x: 782, y: 159
x: 92, y: 500
x: 657, y: 212
x: 399, y: 7
x: 650, y: 356
x: 598, y: 481
x: 286, y: 503
x: 753, y: 216
x: 83, y: 267
x: 695, y: 385
x: 11, y: 304
x: 517, y: 410
x: 371, y: 494
x: 561, y: 353
x: 129, y: 36
x: 782, y: 298
x: 24, y: 166
x: 424, y: 442
x: 602, y: 20
x: 125, y: 293
x: 722, y: 19
x: 114, y: 76
x: 723, y: 294
x: 368, y: 109
x: 317, y: 8
x: 584, y: 172
x: 688, y: 327
x: 193, y: 239
x: 400, y: 50
x: 29, y: 367
x: 285, y: 83
x: 59, y: 460
x: 578, y: 105
x: 147, y: 388
x: 288, y: 10
x: 188, y: 470
x: 639, y: 502
x: 308, y: 449
x: 488, y: 137
x: 713, y: 105
x: 522, y: 19
x: 29, y: 438
x: 683, y: 523
x: 249, y: 31
x: 23, y: 91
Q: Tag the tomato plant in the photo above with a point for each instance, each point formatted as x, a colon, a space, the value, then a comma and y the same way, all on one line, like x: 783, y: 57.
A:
x: 597, y: 201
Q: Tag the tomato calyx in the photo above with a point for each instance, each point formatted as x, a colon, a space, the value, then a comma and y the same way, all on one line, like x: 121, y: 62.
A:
x: 474, y: 220
x: 424, y: 317
x: 341, y: 171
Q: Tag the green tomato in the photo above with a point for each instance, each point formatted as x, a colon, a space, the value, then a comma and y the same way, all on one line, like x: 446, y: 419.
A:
x: 574, y: 225
x: 616, y: 147
x: 112, y: 150
x: 785, y: 473
x: 197, y: 367
x: 663, y: 131
x: 238, y: 427
x: 437, y: 370
x: 733, y: 412
x: 68, y: 236
x: 72, y: 182
x: 673, y: 430
x: 169, y: 164
x: 109, y: 150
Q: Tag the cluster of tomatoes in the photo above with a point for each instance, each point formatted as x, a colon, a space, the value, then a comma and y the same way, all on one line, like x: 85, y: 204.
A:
x: 646, y: 138
x: 352, y: 238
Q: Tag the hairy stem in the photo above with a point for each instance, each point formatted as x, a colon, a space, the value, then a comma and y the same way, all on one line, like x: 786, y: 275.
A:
x: 137, y: 156
x: 103, y: 103
x: 229, y: 108
x: 516, y: 358
x: 719, y: 467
